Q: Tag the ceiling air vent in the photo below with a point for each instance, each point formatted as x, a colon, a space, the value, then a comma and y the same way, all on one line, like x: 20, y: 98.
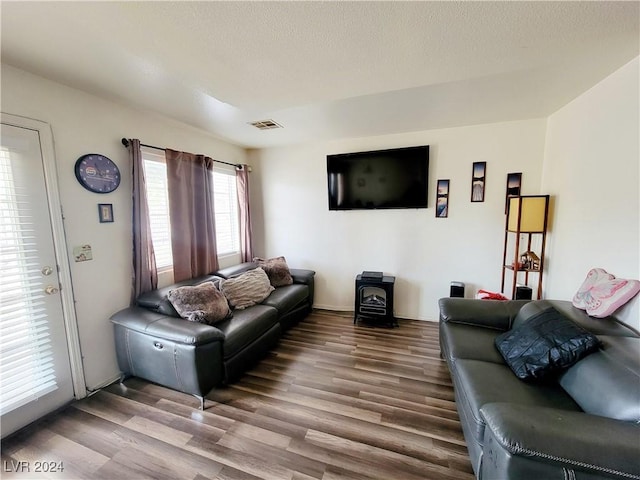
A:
x: 265, y: 124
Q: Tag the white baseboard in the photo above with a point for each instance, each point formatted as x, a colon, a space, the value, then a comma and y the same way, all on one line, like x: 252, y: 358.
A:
x: 333, y: 308
x: 92, y: 390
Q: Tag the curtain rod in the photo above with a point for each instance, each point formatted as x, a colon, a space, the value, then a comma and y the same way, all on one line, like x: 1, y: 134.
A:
x: 125, y: 142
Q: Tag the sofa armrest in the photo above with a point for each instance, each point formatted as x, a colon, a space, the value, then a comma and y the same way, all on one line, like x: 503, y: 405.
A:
x: 526, y: 440
x: 496, y: 314
x: 163, y: 326
x: 305, y: 277
x: 301, y: 275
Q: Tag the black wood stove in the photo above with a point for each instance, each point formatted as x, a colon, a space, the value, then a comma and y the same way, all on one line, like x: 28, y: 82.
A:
x: 374, y: 299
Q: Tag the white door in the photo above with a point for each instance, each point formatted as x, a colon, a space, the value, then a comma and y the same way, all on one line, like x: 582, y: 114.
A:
x: 35, y: 365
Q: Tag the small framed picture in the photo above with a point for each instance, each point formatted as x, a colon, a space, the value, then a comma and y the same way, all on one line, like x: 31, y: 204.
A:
x: 514, y: 183
x: 442, y: 200
x: 105, y: 212
x: 478, y: 179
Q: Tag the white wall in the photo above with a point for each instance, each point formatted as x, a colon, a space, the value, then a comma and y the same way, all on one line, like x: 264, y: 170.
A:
x: 83, y: 123
x: 591, y: 165
x: 291, y: 216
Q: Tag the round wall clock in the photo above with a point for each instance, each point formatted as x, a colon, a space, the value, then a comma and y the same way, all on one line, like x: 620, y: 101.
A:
x: 97, y: 173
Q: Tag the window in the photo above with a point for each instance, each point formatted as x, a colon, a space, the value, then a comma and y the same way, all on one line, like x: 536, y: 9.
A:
x: 225, y: 203
x: 155, y: 171
x: 27, y: 366
x: 225, y: 207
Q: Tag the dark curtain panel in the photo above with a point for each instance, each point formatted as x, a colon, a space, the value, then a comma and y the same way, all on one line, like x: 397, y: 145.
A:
x: 193, y: 236
x: 145, y: 274
x: 242, y: 184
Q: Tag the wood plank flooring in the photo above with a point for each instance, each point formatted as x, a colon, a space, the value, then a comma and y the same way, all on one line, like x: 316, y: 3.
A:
x: 332, y: 401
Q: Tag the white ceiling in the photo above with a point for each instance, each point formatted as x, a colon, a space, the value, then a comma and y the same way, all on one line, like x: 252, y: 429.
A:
x: 325, y: 70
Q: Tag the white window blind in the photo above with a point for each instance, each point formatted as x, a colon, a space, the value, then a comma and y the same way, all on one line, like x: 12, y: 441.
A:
x: 26, y: 369
x: 225, y: 204
x: 155, y: 170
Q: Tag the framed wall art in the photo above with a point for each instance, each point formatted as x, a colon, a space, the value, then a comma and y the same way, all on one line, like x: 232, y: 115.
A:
x: 105, y: 212
x: 478, y: 178
x: 514, y: 184
x: 442, y: 200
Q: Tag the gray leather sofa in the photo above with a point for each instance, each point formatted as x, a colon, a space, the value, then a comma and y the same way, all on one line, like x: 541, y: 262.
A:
x: 582, y: 424
x: 154, y: 343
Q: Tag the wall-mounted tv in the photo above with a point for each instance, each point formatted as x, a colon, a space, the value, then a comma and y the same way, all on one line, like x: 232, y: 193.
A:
x: 395, y: 178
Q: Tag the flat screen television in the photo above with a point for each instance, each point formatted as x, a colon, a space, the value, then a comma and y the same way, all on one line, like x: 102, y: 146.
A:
x: 395, y: 178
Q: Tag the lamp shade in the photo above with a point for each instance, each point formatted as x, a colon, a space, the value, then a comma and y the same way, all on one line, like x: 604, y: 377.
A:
x: 529, y: 213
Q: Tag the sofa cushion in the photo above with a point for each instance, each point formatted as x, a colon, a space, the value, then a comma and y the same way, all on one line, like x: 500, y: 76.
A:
x: 277, y: 270
x: 247, y: 289
x: 529, y: 442
x: 601, y: 293
x: 202, y: 303
x: 169, y: 328
x: 285, y: 299
x: 478, y: 383
x: 545, y: 345
x: 607, y: 382
x: 245, y: 327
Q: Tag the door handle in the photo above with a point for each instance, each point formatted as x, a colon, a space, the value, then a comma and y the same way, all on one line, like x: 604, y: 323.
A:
x: 50, y: 290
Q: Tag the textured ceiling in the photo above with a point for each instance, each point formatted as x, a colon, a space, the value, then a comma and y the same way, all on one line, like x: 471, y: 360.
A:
x: 325, y: 69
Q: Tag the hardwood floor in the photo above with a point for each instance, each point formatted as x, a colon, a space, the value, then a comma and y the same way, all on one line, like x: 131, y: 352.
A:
x: 332, y: 401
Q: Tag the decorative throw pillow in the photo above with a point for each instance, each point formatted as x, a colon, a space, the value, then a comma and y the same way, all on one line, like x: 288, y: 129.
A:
x: 601, y: 293
x: 202, y: 303
x: 277, y: 270
x: 247, y: 289
x: 545, y: 345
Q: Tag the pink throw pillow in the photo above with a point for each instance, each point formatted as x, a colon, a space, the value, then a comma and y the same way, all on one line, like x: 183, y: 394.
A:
x: 601, y: 293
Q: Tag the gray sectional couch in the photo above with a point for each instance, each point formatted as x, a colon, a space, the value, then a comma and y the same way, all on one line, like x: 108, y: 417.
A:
x: 154, y: 343
x: 581, y: 424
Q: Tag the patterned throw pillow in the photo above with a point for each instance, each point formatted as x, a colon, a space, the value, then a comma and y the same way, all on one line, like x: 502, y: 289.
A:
x: 601, y: 293
x: 277, y: 270
x: 247, y: 289
x: 202, y: 303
